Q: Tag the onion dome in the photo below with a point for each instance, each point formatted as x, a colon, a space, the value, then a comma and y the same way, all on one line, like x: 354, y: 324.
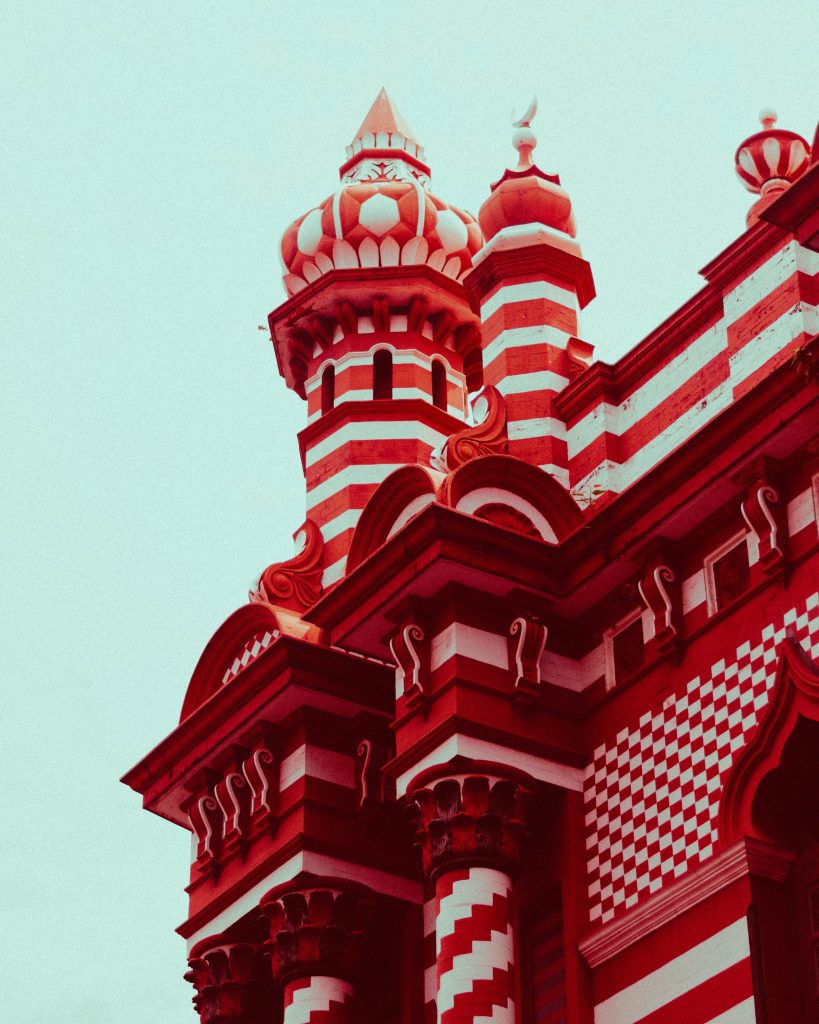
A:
x: 769, y: 161
x: 525, y: 194
x: 382, y: 214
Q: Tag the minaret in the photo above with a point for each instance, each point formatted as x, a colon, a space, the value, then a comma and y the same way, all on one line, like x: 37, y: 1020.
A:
x: 530, y: 282
x: 378, y: 334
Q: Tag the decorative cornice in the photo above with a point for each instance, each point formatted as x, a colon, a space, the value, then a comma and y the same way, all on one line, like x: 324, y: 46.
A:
x: 748, y: 248
x: 744, y: 858
x: 504, y: 265
x: 797, y: 209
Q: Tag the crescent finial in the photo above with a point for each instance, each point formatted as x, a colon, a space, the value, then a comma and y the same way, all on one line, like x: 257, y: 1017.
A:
x: 528, y: 117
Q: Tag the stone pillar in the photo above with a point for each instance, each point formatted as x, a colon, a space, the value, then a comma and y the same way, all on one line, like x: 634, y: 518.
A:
x: 231, y: 981
x: 470, y: 830
x: 315, y: 944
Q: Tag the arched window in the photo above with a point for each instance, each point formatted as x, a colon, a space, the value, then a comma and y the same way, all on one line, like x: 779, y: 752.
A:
x: 382, y: 374
x: 438, y: 384
x: 328, y: 389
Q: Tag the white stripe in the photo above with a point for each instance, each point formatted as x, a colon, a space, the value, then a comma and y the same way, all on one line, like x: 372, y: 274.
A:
x: 560, y: 473
x: 773, y: 339
x: 537, y: 426
x: 617, y: 419
x: 693, y: 591
x: 559, y: 670
x: 400, y: 357
x: 470, y: 642
x: 525, y: 291
x: 538, y: 380
x: 563, y: 775
x: 666, y: 441
x: 742, y: 1013
x: 757, y: 285
x: 316, y: 997
x: 523, y: 337
x: 678, y: 976
x: 800, y: 512
x: 318, y: 763
x: 373, y: 430
x: 334, y: 572
x: 346, y: 520
x: 372, y: 473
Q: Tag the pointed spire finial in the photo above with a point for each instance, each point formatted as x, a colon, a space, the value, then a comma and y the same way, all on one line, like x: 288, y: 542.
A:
x: 384, y: 132
x: 524, y: 140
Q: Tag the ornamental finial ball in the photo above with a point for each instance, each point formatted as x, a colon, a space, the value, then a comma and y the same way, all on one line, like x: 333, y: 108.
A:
x: 767, y: 117
x: 524, y: 140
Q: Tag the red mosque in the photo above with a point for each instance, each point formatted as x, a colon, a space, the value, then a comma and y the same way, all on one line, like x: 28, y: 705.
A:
x: 527, y: 732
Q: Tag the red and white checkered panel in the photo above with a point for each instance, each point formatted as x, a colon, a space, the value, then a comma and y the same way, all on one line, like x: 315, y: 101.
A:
x: 317, y: 1000
x: 258, y: 643
x: 652, y: 797
x: 475, y: 947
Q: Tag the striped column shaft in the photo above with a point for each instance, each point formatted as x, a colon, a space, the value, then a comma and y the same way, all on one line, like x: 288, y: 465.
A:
x: 475, y: 947
x: 526, y: 327
x: 318, y: 999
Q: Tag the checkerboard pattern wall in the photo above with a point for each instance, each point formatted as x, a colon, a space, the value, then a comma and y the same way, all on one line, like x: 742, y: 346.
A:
x: 249, y: 653
x: 652, y: 797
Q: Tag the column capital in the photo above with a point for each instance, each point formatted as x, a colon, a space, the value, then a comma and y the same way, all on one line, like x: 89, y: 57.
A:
x: 315, y: 930
x: 469, y: 820
x: 230, y: 979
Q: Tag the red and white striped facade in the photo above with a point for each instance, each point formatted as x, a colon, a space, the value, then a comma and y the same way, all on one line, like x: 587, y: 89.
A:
x: 527, y: 730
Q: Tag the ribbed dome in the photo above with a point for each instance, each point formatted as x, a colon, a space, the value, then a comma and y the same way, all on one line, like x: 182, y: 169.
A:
x: 383, y: 214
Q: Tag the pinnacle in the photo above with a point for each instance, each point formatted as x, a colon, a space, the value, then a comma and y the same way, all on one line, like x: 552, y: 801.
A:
x: 384, y: 116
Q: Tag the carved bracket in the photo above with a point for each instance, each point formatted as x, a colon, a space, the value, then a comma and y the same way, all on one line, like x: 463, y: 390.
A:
x: 296, y: 583
x: 411, y: 667
x: 763, y: 524
x: 661, y: 598
x: 487, y: 437
x: 261, y: 770
x: 528, y: 641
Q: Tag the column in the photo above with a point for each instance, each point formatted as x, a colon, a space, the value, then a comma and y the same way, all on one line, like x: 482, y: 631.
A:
x: 315, y: 944
x: 470, y: 830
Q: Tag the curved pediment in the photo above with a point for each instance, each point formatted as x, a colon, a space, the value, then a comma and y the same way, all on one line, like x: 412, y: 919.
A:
x: 237, y: 643
x: 497, y: 488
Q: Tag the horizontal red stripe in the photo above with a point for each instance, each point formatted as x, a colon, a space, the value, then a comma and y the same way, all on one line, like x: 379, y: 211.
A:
x: 529, y: 313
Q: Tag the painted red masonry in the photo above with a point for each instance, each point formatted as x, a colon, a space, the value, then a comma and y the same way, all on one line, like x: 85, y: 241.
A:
x: 527, y: 729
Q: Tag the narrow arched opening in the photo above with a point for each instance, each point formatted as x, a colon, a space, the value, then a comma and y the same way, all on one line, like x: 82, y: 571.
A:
x: 382, y: 374
x: 328, y: 389
x: 438, y: 384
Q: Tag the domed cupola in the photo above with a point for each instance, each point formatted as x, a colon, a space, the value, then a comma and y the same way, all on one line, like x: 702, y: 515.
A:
x: 382, y: 214
x: 768, y: 162
x: 526, y: 194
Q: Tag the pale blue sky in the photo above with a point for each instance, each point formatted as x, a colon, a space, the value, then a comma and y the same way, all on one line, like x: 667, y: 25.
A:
x: 152, y: 155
